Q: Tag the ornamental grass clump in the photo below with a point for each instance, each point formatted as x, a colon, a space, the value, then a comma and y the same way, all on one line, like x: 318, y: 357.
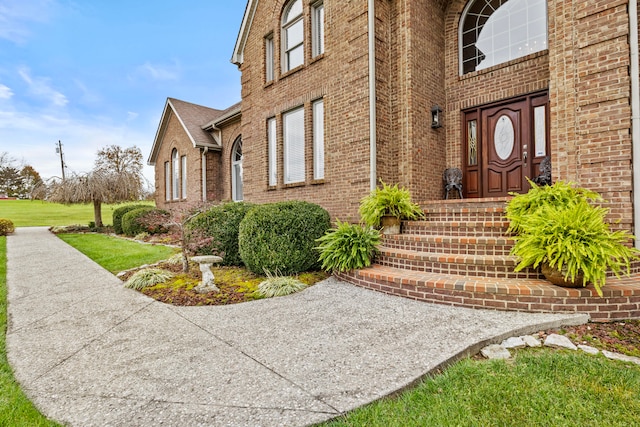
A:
x: 570, y: 235
x: 390, y: 200
x: 147, y: 277
x: 278, y: 286
x: 348, y: 247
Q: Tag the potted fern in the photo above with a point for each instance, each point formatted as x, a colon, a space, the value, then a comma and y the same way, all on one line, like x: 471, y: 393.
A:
x: 386, y: 206
x: 559, y: 229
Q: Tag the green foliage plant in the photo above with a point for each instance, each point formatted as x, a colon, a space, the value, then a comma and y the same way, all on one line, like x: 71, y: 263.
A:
x: 222, y: 224
x: 118, y: 213
x: 277, y: 286
x: 6, y: 226
x: 133, y: 221
x: 281, y: 237
x: 561, y: 195
x: 571, y: 236
x: 348, y: 247
x: 388, y: 200
x: 147, y: 277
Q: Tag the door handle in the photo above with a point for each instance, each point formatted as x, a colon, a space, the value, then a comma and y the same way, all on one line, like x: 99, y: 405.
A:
x: 524, y: 156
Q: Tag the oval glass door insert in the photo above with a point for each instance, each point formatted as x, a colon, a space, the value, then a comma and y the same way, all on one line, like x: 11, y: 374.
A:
x: 504, y: 137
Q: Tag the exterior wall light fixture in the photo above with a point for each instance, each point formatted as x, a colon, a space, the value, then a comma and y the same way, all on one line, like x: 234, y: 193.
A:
x: 436, y: 117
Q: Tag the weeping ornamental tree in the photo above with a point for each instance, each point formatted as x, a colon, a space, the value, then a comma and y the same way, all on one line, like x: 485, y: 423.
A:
x: 117, y: 177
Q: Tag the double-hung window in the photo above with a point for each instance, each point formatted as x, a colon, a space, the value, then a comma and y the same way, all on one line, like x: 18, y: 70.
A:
x: 293, y: 124
x: 273, y: 150
x: 318, y: 139
x: 268, y: 58
x: 293, y: 36
x: 167, y: 181
x: 175, y: 181
x: 183, y: 175
x: 317, y: 28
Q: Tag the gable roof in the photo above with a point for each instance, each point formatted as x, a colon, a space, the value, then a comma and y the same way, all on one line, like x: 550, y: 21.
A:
x: 241, y: 41
x: 191, y: 117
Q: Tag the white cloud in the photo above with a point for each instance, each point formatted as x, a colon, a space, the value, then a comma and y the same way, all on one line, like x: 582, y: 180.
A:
x: 40, y: 87
x: 131, y: 116
x: 16, y: 16
x: 159, y: 72
x: 5, y: 92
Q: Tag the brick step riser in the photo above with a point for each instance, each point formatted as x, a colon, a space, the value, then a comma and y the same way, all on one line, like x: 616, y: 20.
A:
x: 449, y: 248
x: 458, y: 230
x: 482, y: 270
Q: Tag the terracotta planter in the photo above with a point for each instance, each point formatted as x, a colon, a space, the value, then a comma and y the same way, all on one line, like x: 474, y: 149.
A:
x: 557, y: 277
x: 390, y: 225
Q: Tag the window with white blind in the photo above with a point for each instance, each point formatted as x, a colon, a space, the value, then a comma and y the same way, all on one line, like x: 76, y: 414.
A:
x: 317, y: 28
x: 268, y: 58
x: 293, y: 124
x: 292, y: 36
x: 175, y: 171
x: 318, y: 139
x: 183, y: 176
x: 273, y: 150
x: 167, y: 181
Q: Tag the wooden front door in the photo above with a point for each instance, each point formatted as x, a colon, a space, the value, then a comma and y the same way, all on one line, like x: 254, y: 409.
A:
x: 504, y: 145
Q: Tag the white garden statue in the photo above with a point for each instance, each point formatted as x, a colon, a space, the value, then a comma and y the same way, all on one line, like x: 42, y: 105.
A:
x: 208, y: 281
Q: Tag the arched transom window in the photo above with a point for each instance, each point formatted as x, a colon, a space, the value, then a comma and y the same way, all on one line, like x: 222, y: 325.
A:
x: 292, y: 36
x: 497, y: 31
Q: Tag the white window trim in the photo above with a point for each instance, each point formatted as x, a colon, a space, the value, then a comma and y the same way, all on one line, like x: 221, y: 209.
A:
x: 269, y: 58
x: 167, y: 181
x: 183, y: 176
x: 318, y: 139
x: 235, y: 164
x: 293, y: 173
x: 317, y: 28
x: 204, y: 176
x: 284, y: 34
x: 175, y: 175
x: 273, y: 151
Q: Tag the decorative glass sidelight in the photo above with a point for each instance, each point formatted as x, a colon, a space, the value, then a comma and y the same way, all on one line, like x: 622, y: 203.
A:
x: 472, y: 142
x: 540, y: 129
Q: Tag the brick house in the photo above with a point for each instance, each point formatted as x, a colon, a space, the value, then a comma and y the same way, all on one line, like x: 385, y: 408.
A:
x: 193, y: 150
x: 512, y: 82
x: 339, y: 94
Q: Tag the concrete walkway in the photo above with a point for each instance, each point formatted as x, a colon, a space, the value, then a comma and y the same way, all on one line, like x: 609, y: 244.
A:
x: 90, y: 353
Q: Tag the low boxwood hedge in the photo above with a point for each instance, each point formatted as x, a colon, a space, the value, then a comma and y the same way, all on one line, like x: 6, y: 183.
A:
x: 118, y: 213
x: 281, y: 237
x: 222, y: 224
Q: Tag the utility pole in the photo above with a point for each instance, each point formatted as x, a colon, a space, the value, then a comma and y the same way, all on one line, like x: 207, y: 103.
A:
x: 59, y: 150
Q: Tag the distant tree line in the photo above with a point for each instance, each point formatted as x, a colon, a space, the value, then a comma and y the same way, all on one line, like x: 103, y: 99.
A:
x: 17, y: 180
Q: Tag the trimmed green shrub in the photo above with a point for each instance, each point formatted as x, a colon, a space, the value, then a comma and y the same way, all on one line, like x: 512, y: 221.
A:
x: 118, y: 213
x: 131, y: 224
x: 222, y: 225
x: 6, y: 226
x: 348, y: 247
x: 281, y: 237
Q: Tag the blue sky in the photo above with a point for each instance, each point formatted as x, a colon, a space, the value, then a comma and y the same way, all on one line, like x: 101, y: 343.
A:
x: 97, y: 73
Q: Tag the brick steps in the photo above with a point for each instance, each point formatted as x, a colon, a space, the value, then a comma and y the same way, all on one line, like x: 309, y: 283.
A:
x: 621, y: 299
x: 459, y: 255
x: 448, y: 263
x: 477, y: 245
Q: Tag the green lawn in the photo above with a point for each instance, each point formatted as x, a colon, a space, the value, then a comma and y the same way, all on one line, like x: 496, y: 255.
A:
x: 537, y: 388
x: 33, y: 213
x: 116, y: 254
x: 15, y: 409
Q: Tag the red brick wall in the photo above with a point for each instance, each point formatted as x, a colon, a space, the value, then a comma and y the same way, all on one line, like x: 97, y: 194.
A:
x: 218, y: 166
x: 340, y: 77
